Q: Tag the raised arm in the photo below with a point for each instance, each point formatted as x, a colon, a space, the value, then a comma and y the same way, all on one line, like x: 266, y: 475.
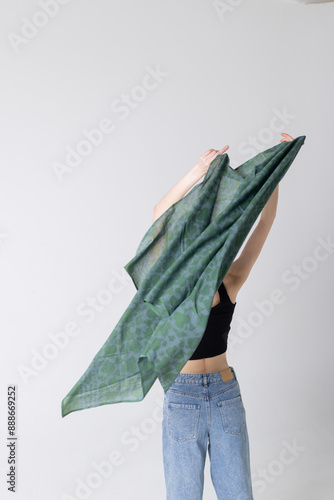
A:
x: 176, y: 192
x: 241, y: 267
x: 186, y: 182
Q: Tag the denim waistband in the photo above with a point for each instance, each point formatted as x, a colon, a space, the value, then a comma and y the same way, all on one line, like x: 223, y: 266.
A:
x: 201, y: 378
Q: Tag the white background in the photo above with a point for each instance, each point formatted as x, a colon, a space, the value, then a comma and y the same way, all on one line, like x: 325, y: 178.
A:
x: 228, y: 71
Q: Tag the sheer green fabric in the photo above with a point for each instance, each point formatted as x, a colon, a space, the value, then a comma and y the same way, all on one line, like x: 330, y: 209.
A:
x: 179, y: 264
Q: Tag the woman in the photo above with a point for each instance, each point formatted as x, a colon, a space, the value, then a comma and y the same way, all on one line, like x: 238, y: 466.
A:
x: 203, y: 407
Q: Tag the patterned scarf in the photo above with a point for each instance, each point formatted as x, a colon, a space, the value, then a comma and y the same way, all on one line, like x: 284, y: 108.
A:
x: 179, y: 264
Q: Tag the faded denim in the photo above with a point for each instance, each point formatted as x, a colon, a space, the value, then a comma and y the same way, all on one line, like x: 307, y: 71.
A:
x: 202, y: 412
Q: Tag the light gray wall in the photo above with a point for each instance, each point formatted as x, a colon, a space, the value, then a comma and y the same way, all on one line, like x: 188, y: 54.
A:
x: 227, y: 70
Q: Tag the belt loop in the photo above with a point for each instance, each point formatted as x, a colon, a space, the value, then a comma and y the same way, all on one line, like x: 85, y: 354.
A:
x: 226, y: 374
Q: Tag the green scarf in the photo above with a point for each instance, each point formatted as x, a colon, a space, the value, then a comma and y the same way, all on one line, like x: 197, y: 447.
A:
x: 179, y: 264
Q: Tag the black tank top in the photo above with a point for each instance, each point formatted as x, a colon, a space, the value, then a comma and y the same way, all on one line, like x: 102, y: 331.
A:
x: 214, y: 340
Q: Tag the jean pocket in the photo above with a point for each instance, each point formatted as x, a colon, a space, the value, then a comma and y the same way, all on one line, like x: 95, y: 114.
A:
x: 233, y: 415
x: 182, y: 420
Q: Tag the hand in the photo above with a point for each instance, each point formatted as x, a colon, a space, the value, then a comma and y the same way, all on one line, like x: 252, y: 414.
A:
x: 287, y: 138
x: 206, y: 158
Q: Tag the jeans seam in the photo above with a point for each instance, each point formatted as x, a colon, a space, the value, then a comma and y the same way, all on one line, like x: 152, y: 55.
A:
x: 176, y: 391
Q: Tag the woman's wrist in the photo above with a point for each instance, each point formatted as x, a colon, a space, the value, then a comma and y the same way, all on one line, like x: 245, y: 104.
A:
x: 196, y: 173
x: 180, y: 189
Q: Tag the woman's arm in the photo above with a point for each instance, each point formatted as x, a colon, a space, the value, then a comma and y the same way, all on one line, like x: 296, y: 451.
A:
x: 177, y: 191
x: 186, y: 182
x: 268, y: 213
x: 242, y: 266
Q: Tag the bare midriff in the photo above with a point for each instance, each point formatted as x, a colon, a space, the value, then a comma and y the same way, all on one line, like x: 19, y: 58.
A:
x: 216, y: 363
x: 206, y: 365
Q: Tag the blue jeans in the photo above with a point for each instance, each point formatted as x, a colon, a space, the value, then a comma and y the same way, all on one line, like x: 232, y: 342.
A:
x: 203, y: 411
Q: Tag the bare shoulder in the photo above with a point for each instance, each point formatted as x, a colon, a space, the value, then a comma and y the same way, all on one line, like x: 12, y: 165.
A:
x: 232, y: 284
